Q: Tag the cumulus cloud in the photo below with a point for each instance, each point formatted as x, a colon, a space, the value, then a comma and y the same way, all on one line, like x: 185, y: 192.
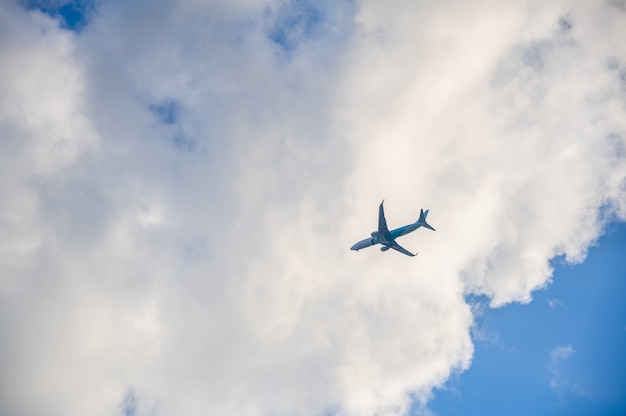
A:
x: 182, y: 182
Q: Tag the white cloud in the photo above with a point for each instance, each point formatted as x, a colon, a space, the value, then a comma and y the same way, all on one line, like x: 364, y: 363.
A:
x: 171, y: 265
x: 558, y: 379
x: 560, y: 353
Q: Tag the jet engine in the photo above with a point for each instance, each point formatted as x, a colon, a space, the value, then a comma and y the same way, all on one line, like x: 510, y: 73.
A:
x: 385, y: 248
x: 374, y: 233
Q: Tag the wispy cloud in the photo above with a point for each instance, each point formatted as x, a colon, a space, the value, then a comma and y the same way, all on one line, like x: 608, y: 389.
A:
x: 560, y: 353
x: 129, y: 404
x: 562, y: 384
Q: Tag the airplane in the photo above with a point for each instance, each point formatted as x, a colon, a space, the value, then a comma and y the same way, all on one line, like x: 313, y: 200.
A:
x: 388, y: 238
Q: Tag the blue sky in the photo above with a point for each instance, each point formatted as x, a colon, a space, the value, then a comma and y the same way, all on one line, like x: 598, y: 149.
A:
x: 182, y: 182
x: 72, y: 15
x: 517, y: 367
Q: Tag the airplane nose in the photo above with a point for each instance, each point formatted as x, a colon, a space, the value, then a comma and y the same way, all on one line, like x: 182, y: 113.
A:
x: 358, y: 245
x: 361, y: 244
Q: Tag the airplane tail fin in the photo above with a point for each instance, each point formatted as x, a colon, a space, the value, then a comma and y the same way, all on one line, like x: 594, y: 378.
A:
x: 422, y: 220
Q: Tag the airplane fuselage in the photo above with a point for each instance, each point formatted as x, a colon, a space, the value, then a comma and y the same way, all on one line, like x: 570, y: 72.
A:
x: 388, y: 238
x: 385, y: 240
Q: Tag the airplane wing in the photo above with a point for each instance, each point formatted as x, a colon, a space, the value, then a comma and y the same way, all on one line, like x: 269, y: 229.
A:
x: 382, y: 222
x: 401, y: 249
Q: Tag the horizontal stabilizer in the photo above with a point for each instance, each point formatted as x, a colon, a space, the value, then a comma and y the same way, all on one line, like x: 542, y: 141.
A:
x: 422, y: 220
x: 425, y: 224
